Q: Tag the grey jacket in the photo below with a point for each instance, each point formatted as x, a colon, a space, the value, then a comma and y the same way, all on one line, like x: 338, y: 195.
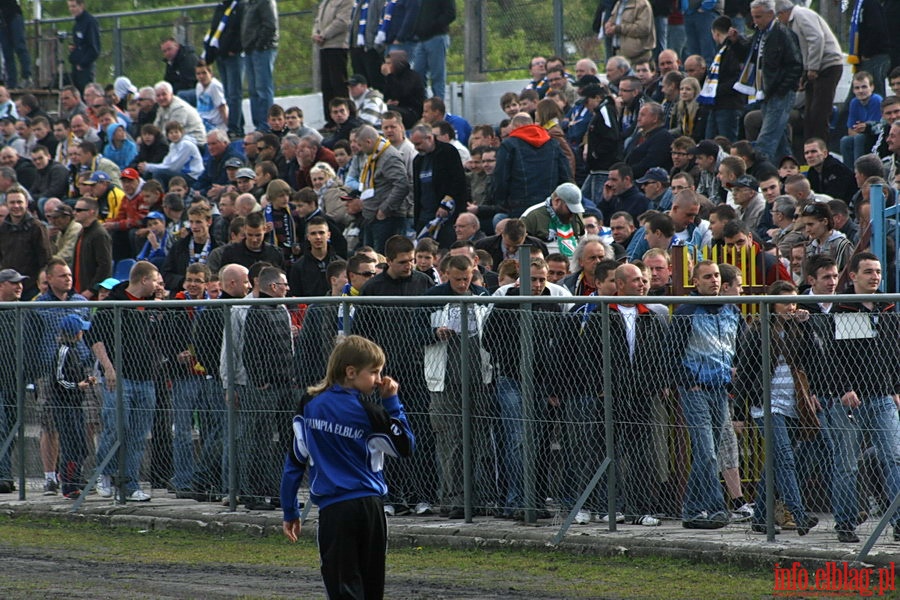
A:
x: 391, y: 186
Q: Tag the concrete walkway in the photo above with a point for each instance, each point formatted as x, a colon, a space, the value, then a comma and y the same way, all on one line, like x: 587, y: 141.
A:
x: 734, y: 543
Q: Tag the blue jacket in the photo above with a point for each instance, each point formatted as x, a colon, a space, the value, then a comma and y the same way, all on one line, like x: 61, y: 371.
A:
x: 124, y: 154
x: 529, y: 167
x: 86, y: 39
x: 343, y: 440
x: 703, y: 343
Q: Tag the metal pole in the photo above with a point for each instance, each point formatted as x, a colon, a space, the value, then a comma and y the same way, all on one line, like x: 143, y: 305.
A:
x: 230, y: 402
x: 473, y: 46
x: 558, y: 35
x: 526, y: 378
x: 117, y: 47
x: 768, y: 441
x: 465, y: 347
x: 609, y: 426
x: 878, y: 219
x: 120, y: 406
x: 20, y: 397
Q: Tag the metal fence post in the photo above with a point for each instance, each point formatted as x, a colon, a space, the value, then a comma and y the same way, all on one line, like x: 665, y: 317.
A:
x: 230, y: 402
x: 559, y: 42
x: 609, y: 425
x: 465, y: 375
x: 120, y: 406
x: 526, y: 377
x: 768, y: 442
x: 117, y: 48
x: 20, y: 397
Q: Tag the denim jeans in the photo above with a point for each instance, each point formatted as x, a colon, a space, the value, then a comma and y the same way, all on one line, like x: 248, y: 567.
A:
x: 724, y: 121
x: 583, y: 451
x: 430, y: 60
x: 662, y: 35
x: 231, y: 71
x: 509, y: 398
x: 677, y: 40
x: 261, y: 86
x: 139, y: 401
x: 592, y: 188
x: 878, y: 417
x: 705, y: 411
x: 786, y: 482
x: 878, y: 66
x: 773, y: 137
x: 698, y: 28
x: 12, y: 39
x: 7, y: 417
x: 854, y: 146
x: 377, y: 232
x: 205, y: 397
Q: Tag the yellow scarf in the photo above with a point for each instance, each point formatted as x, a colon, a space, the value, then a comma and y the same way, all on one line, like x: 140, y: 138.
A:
x: 367, y: 177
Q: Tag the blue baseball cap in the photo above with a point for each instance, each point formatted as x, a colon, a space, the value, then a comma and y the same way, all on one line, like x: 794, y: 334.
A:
x: 72, y: 324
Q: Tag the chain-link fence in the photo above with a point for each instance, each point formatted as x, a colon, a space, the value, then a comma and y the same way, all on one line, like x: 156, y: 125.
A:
x: 515, y: 418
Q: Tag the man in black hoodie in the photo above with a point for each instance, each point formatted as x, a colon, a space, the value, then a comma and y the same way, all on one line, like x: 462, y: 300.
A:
x: 404, y: 90
x: 267, y: 352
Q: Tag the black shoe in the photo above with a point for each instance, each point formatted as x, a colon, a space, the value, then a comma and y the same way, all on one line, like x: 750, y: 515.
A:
x: 846, y: 535
x: 401, y: 509
x: 705, y: 521
x: 456, y: 513
x: 897, y: 533
x: 260, y: 505
x: 7, y: 486
x: 806, y: 524
x: 761, y: 528
x: 190, y: 495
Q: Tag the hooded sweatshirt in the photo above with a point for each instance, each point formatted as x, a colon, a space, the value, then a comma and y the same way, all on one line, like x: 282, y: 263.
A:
x: 122, y: 153
x: 529, y: 167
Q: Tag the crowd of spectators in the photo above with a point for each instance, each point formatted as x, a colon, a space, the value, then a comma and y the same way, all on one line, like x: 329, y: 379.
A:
x: 675, y: 152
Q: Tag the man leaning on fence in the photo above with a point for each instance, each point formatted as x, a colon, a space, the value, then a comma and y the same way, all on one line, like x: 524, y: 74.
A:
x: 267, y: 352
x: 702, y: 342
x: 866, y: 399
x: 10, y: 291
x: 140, y: 358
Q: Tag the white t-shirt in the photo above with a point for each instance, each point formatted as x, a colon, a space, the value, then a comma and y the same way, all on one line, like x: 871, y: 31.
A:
x: 209, y: 100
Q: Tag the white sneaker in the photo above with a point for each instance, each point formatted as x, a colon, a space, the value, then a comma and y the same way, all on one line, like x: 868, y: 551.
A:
x: 423, y: 508
x: 583, y: 517
x: 104, y: 486
x: 646, y: 521
x: 744, y: 513
x: 620, y: 518
x: 389, y: 510
x: 138, y: 496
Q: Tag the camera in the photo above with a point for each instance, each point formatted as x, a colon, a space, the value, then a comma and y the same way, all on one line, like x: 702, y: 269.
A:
x: 62, y: 35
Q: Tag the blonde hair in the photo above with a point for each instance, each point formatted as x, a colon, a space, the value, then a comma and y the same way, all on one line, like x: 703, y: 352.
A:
x: 350, y: 351
x: 323, y: 167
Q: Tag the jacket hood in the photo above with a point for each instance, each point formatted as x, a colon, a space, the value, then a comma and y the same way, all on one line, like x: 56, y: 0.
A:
x: 111, y: 129
x: 535, y: 135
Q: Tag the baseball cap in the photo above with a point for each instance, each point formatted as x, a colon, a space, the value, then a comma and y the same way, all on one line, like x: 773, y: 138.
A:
x: 98, y: 176
x: 706, y: 148
x: 571, y: 195
x: 72, y: 324
x: 245, y: 173
x: 155, y: 215
x: 747, y: 181
x: 357, y: 79
x: 352, y: 195
x: 8, y: 119
x: 130, y: 173
x: 61, y: 210
x: 234, y: 163
x: 654, y: 174
x: 11, y: 275
x: 110, y: 282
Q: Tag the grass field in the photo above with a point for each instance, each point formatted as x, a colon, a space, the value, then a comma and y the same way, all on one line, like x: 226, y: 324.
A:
x: 63, y: 556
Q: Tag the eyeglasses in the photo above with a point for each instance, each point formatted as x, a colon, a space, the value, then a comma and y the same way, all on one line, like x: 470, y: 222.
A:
x: 366, y: 273
x: 261, y: 147
x: 623, y: 90
x: 810, y: 209
x: 279, y: 284
x: 81, y: 209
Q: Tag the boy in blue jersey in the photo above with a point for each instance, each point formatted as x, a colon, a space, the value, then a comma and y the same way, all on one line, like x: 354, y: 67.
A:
x: 343, y: 439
